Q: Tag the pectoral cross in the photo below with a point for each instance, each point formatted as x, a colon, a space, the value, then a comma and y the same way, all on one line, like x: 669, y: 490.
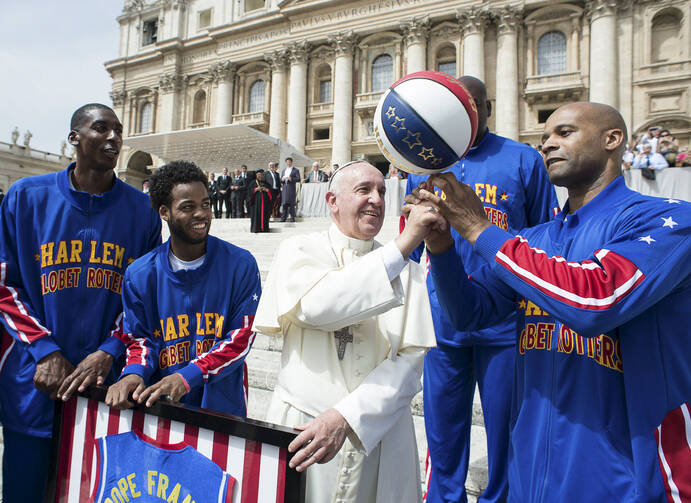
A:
x: 344, y: 337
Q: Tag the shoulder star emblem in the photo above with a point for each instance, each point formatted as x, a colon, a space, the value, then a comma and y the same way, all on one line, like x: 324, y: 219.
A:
x: 390, y: 112
x: 157, y: 333
x: 672, y: 201
x: 522, y: 304
x: 37, y: 257
x: 397, y: 124
x: 504, y: 197
x: 412, y: 139
x: 647, y: 239
x: 426, y: 153
x: 669, y: 222
x: 255, y: 297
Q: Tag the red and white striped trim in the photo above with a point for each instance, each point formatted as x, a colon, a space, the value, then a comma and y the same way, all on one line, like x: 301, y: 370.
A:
x: 16, y: 313
x: 137, y: 350
x: 229, y: 351
x: 587, y: 284
x: 428, y: 476
x: 673, y: 438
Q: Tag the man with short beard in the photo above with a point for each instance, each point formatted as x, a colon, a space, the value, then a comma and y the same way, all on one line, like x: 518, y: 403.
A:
x: 192, y: 329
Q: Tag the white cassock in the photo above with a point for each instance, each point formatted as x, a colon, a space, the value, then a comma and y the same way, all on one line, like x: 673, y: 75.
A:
x: 323, y: 282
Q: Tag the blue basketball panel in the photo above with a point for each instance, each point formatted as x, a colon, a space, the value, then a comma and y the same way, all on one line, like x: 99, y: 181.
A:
x: 412, y: 137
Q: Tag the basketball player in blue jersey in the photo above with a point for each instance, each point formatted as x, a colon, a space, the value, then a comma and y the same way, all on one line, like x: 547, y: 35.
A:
x: 188, y: 333
x: 511, y: 180
x: 65, y: 241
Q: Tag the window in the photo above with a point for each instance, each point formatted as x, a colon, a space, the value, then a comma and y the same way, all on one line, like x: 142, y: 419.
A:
x: 324, y: 91
x: 551, y: 53
x: 254, y: 5
x: 320, y: 134
x: 382, y: 73
x: 146, y: 115
x: 204, y: 20
x: 446, y: 61
x: 149, y: 32
x: 199, y: 110
x: 257, y: 96
x: 543, y: 115
x: 666, y: 43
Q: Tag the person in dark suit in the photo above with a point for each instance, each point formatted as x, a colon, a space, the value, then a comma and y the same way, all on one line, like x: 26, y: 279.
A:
x: 248, y: 177
x: 260, y: 204
x: 237, y: 194
x: 213, y: 195
x: 273, y: 180
x: 289, y: 178
x: 223, y: 185
x: 316, y: 175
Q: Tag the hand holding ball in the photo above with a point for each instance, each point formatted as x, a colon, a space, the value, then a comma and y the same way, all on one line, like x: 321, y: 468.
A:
x: 425, y: 122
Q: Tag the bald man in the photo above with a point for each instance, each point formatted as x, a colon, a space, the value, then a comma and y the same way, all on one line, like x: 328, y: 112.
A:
x: 603, y: 293
x: 511, y: 180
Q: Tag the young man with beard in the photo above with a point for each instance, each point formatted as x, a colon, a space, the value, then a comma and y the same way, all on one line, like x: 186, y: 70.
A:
x: 65, y: 241
x: 188, y: 333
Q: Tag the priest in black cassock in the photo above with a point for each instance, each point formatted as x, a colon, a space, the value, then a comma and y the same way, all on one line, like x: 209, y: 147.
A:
x: 261, y: 204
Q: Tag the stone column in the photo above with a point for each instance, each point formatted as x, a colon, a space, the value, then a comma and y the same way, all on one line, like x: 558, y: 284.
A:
x: 603, y: 51
x: 223, y: 75
x: 297, y: 95
x: 170, y: 85
x: 473, y: 22
x: 119, y: 99
x: 508, y: 20
x: 415, y: 33
x: 277, y: 113
x: 343, y: 44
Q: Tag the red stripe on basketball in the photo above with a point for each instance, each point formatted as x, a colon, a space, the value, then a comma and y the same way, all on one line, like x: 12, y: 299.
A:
x: 191, y: 435
x: 281, y: 481
x: 677, y: 453
x: 88, y: 451
x: 113, y: 422
x: 250, y: 471
x: 219, y: 454
x: 163, y: 430
x: 65, y: 456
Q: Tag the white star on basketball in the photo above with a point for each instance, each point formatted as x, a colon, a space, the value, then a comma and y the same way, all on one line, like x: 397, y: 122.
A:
x: 647, y: 239
x: 255, y: 297
x: 669, y: 222
x: 672, y: 201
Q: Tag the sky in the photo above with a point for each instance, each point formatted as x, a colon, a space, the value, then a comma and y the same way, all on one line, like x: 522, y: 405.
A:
x: 51, y: 55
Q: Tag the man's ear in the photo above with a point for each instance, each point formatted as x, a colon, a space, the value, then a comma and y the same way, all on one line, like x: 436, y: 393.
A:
x: 489, y: 108
x: 331, y: 202
x: 613, y: 139
x: 164, y: 212
x: 73, y: 138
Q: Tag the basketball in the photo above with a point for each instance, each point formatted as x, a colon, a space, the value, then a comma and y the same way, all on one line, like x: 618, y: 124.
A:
x: 425, y: 122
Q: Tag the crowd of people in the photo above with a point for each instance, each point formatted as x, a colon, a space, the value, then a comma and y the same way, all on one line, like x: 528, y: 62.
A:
x: 569, y: 321
x: 655, y: 149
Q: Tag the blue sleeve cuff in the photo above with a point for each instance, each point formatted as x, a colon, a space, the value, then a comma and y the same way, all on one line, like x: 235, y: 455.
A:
x: 192, y: 374
x: 42, y: 347
x: 113, y: 346
x: 442, y: 260
x: 140, y: 370
x: 490, y: 241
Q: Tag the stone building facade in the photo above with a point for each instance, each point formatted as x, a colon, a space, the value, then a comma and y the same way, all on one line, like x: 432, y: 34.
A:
x: 310, y: 72
x: 20, y: 160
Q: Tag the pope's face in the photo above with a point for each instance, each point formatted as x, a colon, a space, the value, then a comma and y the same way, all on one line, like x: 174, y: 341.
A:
x: 358, y: 207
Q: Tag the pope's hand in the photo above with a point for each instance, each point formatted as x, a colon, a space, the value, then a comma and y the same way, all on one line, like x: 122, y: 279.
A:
x: 460, y: 206
x: 320, y: 440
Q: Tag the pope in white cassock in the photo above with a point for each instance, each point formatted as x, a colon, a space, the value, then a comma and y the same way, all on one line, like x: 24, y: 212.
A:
x: 356, y: 323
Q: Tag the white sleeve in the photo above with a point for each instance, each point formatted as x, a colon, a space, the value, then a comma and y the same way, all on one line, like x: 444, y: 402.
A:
x: 394, y: 262
x: 379, y: 401
x: 358, y: 291
x: 658, y: 161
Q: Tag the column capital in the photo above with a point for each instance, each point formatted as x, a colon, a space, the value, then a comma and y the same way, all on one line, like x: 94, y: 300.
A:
x: 595, y: 9
x: 300, y: 52
x: 176, y: 4
x: 223, y: 71
x: 508, y: 18
x: 416, y: 30
x: 343, y: 42
x: 118, y: 97
x: 170, y: 82
x: 277, y: 59
x: 473, y: 19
